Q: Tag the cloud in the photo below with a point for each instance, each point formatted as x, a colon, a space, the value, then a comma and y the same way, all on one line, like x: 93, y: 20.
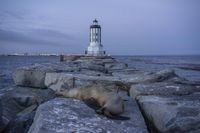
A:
x: 49, y: 33
x: 35, y: 36
x: 129, y: 27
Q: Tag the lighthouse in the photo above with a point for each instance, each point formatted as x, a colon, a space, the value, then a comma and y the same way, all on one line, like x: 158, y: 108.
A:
x: 95, y: 47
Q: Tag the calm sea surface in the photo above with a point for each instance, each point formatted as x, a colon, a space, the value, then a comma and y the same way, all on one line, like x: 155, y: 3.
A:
x: 148, y: 63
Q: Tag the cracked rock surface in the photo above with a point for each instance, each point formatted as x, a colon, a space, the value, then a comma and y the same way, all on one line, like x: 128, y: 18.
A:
x: 171, y: 114
x: 62, y: 115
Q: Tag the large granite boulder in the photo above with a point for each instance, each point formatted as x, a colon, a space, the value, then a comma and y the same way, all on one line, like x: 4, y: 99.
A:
x: 91, y: 65
x: 69, y: 58
x: 148, y: 77
x: 93, y: 72
x: 171, y: 114
x: 162, y: 88
x: 22, y: 122
x: 63, y: 115
x: 33, y: 76
x: 61, y: 81
x: 19, y: 102
x: 115, y: 65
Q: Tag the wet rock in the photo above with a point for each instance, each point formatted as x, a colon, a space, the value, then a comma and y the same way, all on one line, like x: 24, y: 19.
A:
x: 21, y: 99
x: 171, y: 114
x: 67, y: 115
x: 162, y: 88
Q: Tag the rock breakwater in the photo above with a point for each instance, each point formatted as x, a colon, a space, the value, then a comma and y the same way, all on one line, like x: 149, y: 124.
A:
x: 154, y: 102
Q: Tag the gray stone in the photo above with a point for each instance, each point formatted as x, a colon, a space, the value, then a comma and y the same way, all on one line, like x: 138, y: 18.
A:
x: 115, y: 66
x: 61, y: 81
x: 171, y: 114
x: 93, y: 72
x: 162, y: 88
x: 130, y: 75
x: 63, y: 115
x: 147, y: 77
x: 31, y: 76
x: 91, y: 65
x: 22, y: 122
x: 69, y: 58
x: 21, y: 99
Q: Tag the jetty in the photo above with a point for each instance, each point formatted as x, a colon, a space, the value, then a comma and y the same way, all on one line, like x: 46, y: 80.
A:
x: 154, y: 102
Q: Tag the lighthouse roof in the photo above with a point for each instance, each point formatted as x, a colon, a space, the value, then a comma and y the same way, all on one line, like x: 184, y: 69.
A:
x: 95, y: 24
x: 95, y: 21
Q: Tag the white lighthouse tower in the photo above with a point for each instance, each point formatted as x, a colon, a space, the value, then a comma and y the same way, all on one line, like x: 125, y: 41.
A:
x: 95, y: 47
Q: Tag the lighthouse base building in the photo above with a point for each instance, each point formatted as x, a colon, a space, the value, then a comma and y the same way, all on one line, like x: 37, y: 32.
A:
x: 95, y: 47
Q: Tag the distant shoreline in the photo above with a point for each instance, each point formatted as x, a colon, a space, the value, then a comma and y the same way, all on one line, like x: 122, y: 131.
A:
x: 29, y: 55
x: 110, y: 55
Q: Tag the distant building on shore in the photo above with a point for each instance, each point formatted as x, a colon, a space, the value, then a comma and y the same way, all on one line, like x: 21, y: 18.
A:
x: 95, y: 47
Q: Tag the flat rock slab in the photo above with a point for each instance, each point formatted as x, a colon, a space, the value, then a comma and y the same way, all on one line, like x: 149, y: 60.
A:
x: 162, y: 88
x: 171, y: 114
x: 61, y: 81
x: 147, y: 77
x: 62, y: 115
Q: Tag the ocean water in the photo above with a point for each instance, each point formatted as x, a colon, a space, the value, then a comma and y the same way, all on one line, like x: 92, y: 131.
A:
x: 191, y: 65
x: 9, y: 63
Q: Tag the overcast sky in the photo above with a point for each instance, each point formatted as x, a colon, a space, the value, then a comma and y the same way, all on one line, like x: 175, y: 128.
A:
x: 129, y: 27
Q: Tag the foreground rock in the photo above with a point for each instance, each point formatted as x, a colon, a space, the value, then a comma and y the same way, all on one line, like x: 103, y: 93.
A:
x: 171, y: 114
x: 172, y: 106
x: 162, y: 88
x: 18, y: 106
x: 63, y: 115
